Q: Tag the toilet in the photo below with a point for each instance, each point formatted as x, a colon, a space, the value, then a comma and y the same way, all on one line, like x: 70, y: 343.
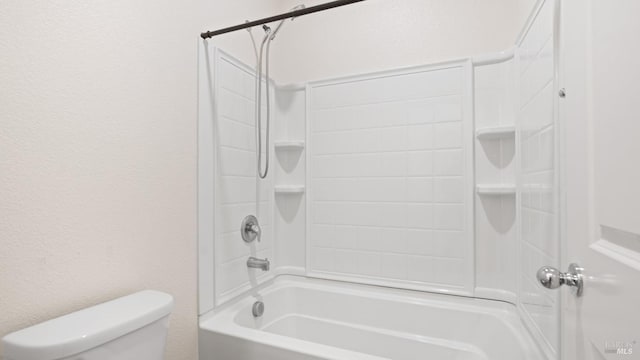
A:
x: 132, y: 327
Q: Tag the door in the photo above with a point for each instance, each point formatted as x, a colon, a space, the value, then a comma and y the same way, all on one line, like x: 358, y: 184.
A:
x: 600, y: 71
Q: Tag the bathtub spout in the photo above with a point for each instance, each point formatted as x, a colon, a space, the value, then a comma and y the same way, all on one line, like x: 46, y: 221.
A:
x: 256, y: 263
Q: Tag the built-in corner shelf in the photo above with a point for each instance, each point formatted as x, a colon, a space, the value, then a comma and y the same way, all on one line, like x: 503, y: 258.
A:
x: 289, y: 189
x: 496, y: 189
x: 289, y: 145
x: 496, y: 132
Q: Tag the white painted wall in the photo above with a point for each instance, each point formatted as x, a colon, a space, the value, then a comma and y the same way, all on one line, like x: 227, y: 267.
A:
x: 524, y: 9
x: 379, y: 34
x: 98, y: 153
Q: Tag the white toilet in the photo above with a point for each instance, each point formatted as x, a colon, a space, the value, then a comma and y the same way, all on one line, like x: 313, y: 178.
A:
x: 132, y: 327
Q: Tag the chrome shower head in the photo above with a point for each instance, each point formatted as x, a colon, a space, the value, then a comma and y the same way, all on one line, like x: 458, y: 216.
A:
x: 298, y: 7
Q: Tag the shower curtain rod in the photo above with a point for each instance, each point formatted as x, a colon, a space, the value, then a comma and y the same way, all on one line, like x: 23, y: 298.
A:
x: 290, y: 14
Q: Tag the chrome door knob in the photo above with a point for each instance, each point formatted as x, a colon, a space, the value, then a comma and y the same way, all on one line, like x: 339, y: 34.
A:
x: 552, y: 278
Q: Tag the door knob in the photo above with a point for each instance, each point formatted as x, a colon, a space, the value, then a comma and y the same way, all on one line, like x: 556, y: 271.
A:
x: 552, y: 278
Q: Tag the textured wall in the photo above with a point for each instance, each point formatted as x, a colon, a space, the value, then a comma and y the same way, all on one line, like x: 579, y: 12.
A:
x: 524, y: 9
x: 380, y: 34
x: 98, y: 154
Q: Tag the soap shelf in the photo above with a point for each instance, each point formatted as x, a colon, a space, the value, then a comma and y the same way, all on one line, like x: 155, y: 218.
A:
x: 289, y: 145
x: 496, y: 189
x: 496, y: 132
x: 289, y: 189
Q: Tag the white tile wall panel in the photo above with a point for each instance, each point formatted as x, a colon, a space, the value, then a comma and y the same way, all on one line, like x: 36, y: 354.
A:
x: 447, y: 135
x: 448, y: 162
x: 419, y: 163
x: 421, y: 189
x: 449, y: 189
x: 539, y: 215
x: 391, y: 179
x: 398, y: 87
x: 235, y: 180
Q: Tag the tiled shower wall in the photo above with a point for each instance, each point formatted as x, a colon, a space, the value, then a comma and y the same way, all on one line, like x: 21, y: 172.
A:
x: 232, y: 101
x: 539, y: 230
x: 495, y: 217
x: 389, y: 173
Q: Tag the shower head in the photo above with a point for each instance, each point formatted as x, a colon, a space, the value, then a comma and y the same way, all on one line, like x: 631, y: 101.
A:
x: 298, y: 7
x: 273, y: 34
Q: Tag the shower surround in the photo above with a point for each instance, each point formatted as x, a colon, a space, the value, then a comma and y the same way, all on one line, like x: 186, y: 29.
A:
x: 434, y: 180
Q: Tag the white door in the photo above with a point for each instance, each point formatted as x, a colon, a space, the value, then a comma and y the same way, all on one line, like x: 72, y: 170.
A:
x: 600, y: 69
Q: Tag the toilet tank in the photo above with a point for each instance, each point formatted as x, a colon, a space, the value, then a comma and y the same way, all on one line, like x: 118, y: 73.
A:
x: 127, y: 328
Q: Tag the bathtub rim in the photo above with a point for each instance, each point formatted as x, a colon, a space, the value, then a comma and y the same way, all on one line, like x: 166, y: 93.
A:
x: 294, y: 275
x: 222, y: 319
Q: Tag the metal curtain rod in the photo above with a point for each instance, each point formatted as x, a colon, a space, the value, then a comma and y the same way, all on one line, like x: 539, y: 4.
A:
x: 291, y: 14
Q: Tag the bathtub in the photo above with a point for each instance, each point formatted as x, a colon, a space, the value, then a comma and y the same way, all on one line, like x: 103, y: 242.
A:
x: 321, y: 319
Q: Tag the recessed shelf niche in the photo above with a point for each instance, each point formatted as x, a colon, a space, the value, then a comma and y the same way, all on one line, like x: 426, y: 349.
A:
x: 496, y: 189
x: 496, y: 132
x: 289, y: 145
x: 289, y: 189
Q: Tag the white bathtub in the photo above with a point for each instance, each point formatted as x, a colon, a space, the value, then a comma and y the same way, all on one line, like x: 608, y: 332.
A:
x: 319, y: 319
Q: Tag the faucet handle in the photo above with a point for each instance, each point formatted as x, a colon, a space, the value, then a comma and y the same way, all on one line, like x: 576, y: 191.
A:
x: 250, y: 229
x: 255, y: 228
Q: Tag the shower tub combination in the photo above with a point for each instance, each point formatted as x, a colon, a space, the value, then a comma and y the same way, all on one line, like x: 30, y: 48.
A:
x: 323, y: 319
x: 388, y: 249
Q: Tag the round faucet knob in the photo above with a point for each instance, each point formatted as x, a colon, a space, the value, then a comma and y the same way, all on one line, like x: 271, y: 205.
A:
x: 250, y: 229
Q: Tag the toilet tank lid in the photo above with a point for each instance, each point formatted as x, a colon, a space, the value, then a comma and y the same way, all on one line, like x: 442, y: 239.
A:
x: 88, y: 328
